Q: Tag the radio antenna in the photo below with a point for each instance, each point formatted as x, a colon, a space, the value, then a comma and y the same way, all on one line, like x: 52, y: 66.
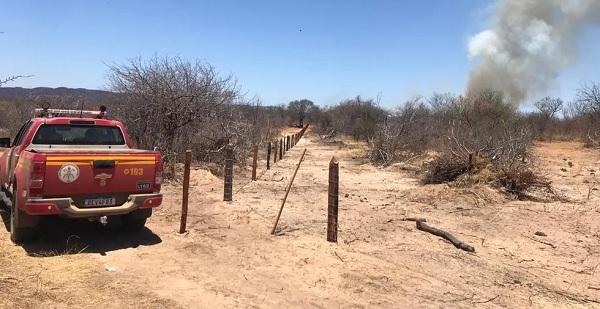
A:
x: 81, y: 113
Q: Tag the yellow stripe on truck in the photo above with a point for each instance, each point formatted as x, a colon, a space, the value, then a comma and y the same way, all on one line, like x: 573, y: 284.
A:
x: 75, y: 159
x: 89, y: 163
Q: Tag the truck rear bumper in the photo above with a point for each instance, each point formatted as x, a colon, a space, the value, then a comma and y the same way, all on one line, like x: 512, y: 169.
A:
x: 67, y: 207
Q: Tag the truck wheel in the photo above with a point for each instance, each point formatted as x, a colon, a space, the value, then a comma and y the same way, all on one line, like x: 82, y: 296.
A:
x: 136, y: 220
x: 17, y: 232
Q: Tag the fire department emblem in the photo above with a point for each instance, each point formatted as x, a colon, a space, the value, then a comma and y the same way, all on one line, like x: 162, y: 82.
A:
x: 68, y: 173
x: 103, y: 178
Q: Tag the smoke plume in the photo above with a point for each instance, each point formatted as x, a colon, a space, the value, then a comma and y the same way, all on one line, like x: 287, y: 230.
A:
x: 528, y: 45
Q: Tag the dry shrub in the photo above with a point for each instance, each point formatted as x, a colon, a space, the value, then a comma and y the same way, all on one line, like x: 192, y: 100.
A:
x: 356, y: 117
x: 404, y: 134
x: 520, y: 180
x: 172, y: 104
x: 445, y: 168
x: 486, y: 140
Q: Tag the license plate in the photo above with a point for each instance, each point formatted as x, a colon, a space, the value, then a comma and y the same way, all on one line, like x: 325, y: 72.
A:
x: 100, y: 202
x: 143, y: 185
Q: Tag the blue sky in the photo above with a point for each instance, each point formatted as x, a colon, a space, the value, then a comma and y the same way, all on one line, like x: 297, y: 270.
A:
x: 392, y: 49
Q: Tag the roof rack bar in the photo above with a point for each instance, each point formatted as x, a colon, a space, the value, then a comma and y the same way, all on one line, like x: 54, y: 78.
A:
x: 53, y: 113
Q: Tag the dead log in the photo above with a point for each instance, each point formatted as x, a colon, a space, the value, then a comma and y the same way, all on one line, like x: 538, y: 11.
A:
x: 449, y: 237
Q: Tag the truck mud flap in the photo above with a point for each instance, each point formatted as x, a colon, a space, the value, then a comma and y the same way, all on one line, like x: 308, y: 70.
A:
x: 5, y: 201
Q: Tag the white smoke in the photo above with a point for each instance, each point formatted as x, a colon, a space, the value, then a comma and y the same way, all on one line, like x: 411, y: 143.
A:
x: 529, y: 44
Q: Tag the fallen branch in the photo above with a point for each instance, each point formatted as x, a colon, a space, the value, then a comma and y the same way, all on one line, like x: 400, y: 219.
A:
x: 487, y: 301
x: 339, y: 257
x: 543, y: 242
x: 441, y: 233
x: 414, y: 219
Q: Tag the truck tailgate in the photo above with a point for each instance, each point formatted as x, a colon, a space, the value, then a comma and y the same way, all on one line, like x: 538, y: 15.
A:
x: 99, y: 174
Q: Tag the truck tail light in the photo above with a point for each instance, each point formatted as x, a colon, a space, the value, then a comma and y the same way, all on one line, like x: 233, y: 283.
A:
x: 158, y: 170
x: 36, y: 180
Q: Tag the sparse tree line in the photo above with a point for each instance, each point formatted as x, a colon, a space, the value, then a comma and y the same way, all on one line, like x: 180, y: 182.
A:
x: 172, y: 104
x: 481, y: 138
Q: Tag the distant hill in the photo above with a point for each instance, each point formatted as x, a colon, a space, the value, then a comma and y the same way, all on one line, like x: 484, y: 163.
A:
x: 88, y: 95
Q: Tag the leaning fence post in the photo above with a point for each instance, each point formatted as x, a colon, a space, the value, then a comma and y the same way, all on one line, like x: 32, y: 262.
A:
x: 332, y: 207
x: 275, y: 153
x: 186, y: 191
x: 281, y: 149
x: 269, y: 156
x: 228, y: 190
x: 287, y: 192
x: 254, y: 162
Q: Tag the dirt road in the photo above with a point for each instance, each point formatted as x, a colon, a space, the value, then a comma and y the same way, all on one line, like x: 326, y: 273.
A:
x: 229, y: 259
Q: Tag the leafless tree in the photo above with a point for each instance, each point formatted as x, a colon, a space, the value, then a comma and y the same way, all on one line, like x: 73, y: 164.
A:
x: 588, y: 107
x: 589, y: 96
x: 299, y: 109
x: 174, y: 104
x: 165, y: 96
x: 9, y: 79
x: 548, y: 107
x: 545, y: 119
x: 356, y: 117
x: 404, y: 133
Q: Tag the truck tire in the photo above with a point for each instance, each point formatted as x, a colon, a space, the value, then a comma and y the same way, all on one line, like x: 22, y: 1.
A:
x: 136, y: 220
x: 17, y: 232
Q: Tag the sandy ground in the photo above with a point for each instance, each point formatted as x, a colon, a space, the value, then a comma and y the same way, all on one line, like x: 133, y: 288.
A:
x: 228, y: 258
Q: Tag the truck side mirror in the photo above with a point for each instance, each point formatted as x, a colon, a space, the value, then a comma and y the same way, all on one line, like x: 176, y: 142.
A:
x: 5, y: 142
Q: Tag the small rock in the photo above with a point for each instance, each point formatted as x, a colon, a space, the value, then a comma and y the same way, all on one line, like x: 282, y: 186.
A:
x: 347, y: 195
x: 538, y: 233
x: 110, y: 269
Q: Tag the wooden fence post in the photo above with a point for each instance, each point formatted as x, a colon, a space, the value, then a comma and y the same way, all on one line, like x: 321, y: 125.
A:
x: 269, y: 156
x: 275, y: 153
x: 281, y: 149
x: 186, y: 191
x: 287, y: 143
x: 228, y: 190
x: 332, y: 207
x: 254, y: 163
